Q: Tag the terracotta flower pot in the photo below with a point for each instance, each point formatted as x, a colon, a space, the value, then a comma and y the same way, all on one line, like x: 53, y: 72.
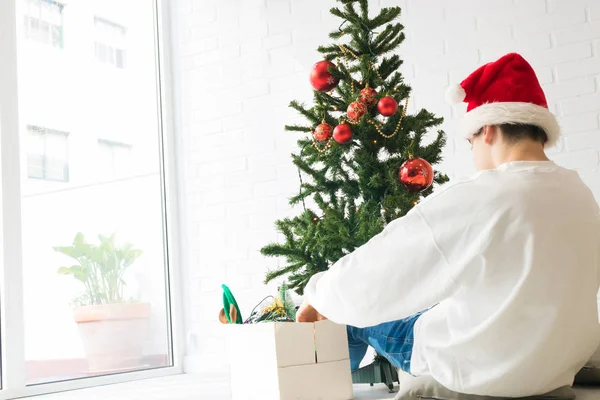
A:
x: 113, y: 335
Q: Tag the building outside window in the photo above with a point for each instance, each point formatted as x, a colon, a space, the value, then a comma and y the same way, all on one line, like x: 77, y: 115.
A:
x: 44, y: 22
x: 110, y: 42
x: 115, y: 157
x: 47, y: 154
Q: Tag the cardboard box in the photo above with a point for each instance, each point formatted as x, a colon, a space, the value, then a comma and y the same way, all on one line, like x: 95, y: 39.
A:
x: 289, y: 361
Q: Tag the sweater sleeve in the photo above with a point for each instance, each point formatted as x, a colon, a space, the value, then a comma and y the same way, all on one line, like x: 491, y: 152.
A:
x: 398, y: 273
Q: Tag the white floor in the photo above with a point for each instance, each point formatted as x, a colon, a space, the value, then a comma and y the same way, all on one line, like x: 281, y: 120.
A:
x: 191, y: 387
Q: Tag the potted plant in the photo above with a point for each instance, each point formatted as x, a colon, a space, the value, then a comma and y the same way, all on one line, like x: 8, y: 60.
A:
x: 112, y: 327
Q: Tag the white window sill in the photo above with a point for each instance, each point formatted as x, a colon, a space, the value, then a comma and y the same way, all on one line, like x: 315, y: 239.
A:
x: 176, y: 387
x: 196, y: 387
x: 182, y: 387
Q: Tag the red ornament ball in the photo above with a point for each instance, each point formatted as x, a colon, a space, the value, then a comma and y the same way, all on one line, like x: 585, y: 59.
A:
x: 323, y: 132
x: 356, y: 109
x: 387, y: 106
x: 416, y: 174
x: 368, y: 96
x: 342, y: 133
x: 320, y: 77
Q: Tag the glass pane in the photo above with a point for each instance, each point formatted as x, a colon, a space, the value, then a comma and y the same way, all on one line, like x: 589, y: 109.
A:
x: 35, y: 166
x: 36, y: 30
x: 110, y: 55
x: 43, y: 34
x: 35, y: 24
x: 120, y: 61
x: 56, y: 36
x: 95, y: 284
x: 100, y: 52
x: 56, y: 170
x: 35, y: 141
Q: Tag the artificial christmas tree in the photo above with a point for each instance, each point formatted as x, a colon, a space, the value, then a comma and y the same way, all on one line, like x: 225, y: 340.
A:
x: 354, y: 180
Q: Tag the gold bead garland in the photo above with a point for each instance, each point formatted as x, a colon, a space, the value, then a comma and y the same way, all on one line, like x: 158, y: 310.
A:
x: 318, y: 148
x: 377, y: 72
x: 347, y: 53
x: 346, y: 50
x: 378, y: 127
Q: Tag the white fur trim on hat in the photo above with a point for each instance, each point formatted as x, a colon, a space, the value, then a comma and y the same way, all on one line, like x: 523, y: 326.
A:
x: 455, y: 94
x: 503, y: 113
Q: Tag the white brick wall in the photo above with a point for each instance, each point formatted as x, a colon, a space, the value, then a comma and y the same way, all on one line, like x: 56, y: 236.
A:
x: 238, y: 63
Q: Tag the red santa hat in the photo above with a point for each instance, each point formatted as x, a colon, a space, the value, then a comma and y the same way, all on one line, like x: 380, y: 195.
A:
x: 504, y: 91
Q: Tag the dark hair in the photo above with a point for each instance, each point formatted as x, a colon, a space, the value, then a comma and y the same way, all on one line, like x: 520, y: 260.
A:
x: 513, y: 133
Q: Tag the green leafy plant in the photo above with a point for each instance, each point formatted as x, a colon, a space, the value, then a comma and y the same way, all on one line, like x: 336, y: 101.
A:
x: 100, y: 267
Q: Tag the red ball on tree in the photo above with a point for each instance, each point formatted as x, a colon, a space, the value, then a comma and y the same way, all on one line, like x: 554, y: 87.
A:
x: 320, y: 77
x: 368, y: 96
x: 323, y: 132
x: 342, y: 133
x: 356, y: 109
x: 387, y: 106
x: 416, y: 174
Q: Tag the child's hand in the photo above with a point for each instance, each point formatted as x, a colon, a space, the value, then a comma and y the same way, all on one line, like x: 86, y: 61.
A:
x: 307, y: 313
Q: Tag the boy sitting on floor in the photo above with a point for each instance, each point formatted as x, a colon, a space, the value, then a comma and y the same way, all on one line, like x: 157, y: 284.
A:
x: 505, y: 264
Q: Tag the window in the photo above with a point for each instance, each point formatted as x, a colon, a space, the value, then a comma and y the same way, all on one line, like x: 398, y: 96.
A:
x: 47, y: 154
x: 110, y: 42
x: 44, y: 22
x: 86, y: 271
x: 115, y: 157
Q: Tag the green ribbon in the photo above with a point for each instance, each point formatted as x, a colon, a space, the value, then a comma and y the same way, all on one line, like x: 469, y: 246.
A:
x: 228, y: 300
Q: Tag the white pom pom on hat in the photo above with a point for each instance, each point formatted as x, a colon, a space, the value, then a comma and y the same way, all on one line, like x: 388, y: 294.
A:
x: 455, y: 94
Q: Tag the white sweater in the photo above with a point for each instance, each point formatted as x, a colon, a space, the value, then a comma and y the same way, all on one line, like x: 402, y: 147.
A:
x: 511, y: 255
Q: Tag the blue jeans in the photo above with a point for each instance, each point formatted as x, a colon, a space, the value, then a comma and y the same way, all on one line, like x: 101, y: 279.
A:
x: 392, y: 340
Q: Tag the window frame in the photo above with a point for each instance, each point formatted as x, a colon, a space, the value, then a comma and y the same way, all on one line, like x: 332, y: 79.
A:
x: 12, y: 173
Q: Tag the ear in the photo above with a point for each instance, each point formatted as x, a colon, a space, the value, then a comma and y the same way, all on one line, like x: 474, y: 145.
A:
x: 489, y: 134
